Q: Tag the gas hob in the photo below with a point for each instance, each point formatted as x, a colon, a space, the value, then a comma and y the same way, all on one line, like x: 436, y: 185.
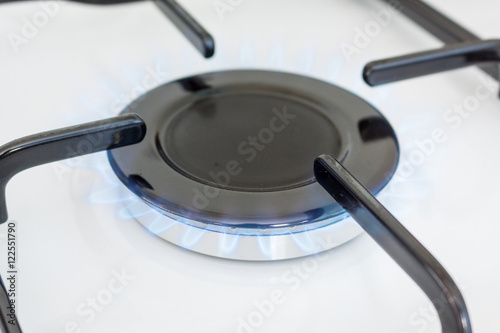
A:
x: 83, y: 262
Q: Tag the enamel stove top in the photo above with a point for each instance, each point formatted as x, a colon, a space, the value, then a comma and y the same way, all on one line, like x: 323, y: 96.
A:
x: 83, y: 262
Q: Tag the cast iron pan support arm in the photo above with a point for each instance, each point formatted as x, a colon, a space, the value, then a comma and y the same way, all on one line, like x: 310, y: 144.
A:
x: 56, y: 145
x: 442, y: 27
x: 345, y: 189
x: 463, y: 49
x: 8, y: 320
x: 52, y: 146
x: 450, y: 57
x: 199, y: 37
x: 192, y: 30
x: 398, y: 242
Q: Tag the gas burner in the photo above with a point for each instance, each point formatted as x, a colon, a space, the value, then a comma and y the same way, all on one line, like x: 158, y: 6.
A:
x: 232, y: 157
x: 231, y: 153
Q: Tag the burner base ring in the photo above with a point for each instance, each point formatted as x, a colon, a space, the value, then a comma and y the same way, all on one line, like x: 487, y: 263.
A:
x: 252, y: 245
x: 230, y: 155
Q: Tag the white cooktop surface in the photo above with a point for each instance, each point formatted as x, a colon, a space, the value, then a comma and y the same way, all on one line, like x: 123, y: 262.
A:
x: 83, y: 267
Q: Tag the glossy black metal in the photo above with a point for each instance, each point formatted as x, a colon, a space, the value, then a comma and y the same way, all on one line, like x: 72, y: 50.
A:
x: 8, y: 319
x: 192, y: 30
x: 56, y: 145
x: 250, y: 137
x: 429, y: 62
x: 398, y: 242
x: 440, y: 26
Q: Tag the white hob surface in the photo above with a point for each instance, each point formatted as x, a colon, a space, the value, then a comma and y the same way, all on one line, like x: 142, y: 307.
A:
x: 84, y: 266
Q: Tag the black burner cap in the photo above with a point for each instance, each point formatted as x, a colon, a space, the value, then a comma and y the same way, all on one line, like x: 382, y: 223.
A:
x: 236, y: 148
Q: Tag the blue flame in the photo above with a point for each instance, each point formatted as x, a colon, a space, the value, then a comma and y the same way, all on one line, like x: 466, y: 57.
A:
x: 247, y: 55
x: 306, y: 61
x: 265, y: 244
x: 228, y: 243
x: 276, y: 59
x: 192, y: 237
x: 334, y: 68
x: 230, y: 239
x: 160, y: 225
x: 134, y: 209
x: 304, y: 241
